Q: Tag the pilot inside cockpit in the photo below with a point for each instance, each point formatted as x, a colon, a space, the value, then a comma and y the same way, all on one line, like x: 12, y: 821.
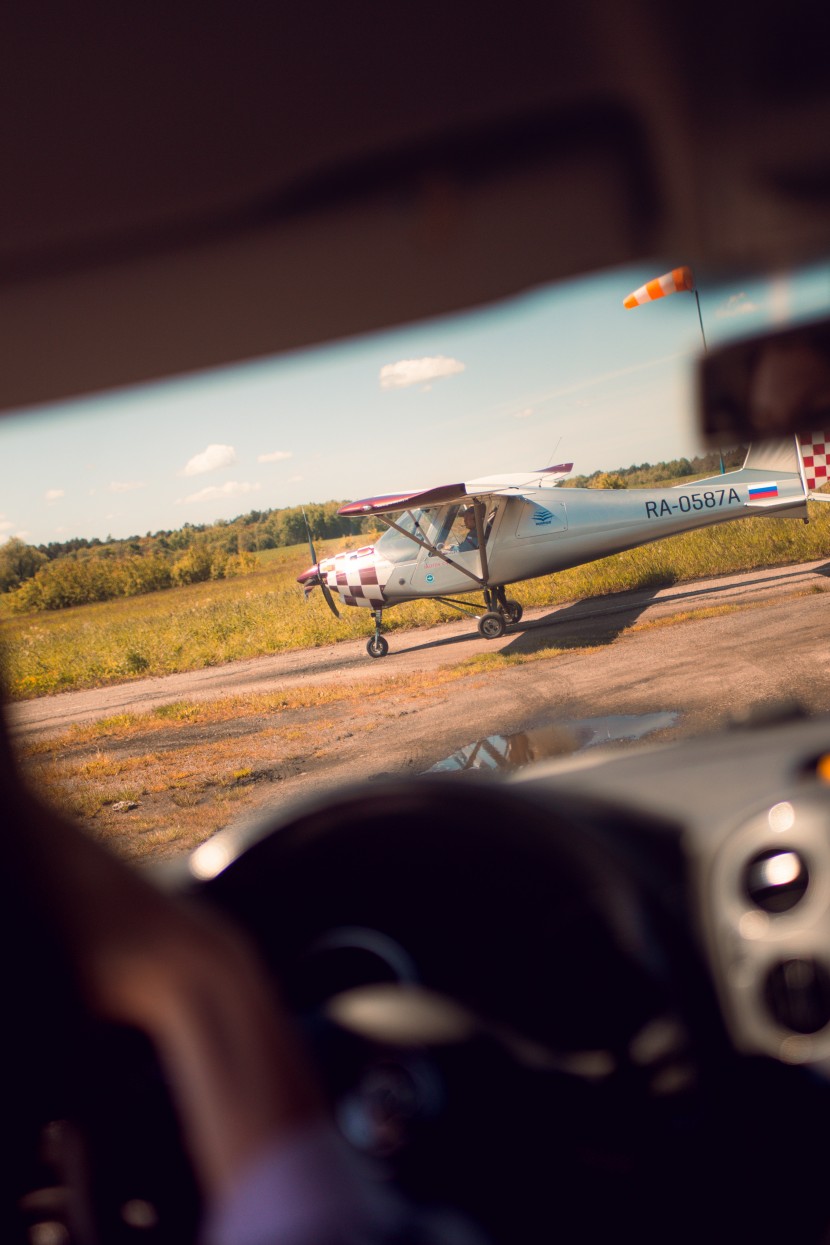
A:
x: 470, y: 540
x: 462, y: 530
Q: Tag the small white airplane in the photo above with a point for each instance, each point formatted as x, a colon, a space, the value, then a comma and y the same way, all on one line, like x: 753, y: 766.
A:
x: 496, y: 531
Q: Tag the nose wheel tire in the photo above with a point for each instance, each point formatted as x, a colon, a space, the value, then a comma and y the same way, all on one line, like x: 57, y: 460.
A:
x: 491, y: 625
x: 513, y: 610
x: 378, y: 646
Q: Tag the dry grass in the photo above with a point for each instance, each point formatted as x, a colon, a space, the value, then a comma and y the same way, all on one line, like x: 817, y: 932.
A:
x: 185, y: 776
x: 484, y: 662
x: 696, y: 615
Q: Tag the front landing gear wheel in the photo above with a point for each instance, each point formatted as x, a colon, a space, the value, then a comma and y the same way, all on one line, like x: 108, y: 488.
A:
x: 378, y: 646
x: 491, y: 625
x: 513, y: 610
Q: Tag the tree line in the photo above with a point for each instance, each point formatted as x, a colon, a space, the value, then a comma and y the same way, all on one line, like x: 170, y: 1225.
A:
x: 78, y: 571
x: 649, y: 475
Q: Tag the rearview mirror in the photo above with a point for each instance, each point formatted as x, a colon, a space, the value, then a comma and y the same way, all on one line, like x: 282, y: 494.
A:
x: 767, y: 387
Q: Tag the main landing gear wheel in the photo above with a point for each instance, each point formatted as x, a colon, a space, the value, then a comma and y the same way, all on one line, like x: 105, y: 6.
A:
x: 378, y: 646
x: 513, y: 610
x: 491, y: 625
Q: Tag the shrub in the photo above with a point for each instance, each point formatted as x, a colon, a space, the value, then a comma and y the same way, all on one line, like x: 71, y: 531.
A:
x: 18, y: 562
x: 194, y: 566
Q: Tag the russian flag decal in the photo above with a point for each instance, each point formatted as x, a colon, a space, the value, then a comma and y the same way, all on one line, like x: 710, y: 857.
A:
x: 758, y: 492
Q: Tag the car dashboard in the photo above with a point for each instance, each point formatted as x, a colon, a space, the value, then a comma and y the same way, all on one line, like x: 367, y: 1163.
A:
x: 589, y: 997
x: 752, y: 807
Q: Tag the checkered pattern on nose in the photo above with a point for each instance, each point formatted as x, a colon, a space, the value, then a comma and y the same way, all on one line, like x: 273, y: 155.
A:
x: 814, y: 452
x: 354, y: 577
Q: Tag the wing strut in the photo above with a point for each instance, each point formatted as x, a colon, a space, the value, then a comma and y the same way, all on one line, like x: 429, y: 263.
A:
x: 480, y: 511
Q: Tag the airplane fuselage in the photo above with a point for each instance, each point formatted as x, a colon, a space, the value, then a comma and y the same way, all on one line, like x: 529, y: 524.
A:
x: 587, y: 524
x: 538, y: 531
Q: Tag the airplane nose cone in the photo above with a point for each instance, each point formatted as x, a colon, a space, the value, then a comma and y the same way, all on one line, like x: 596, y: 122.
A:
x: 312, y: 573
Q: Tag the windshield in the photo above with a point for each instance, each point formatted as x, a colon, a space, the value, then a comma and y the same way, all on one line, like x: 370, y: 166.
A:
x: 443, y: 527
x: 151, y: 540
x: 418, y: 527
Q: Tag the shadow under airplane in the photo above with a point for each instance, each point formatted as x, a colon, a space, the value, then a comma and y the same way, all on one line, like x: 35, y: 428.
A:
x: 596, y: 621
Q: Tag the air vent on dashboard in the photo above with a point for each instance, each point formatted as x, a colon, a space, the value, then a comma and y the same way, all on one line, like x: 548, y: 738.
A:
x: 766, y: 898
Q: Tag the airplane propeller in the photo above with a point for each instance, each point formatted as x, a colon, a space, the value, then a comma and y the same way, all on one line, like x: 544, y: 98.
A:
x: 320, y: 579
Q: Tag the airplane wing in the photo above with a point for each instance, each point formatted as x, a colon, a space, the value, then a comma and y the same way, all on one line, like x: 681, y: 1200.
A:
x: 517, y: 480
x: 390, y: 503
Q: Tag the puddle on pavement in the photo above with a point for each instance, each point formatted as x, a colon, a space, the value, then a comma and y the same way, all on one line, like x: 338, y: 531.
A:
x: 506, y: 752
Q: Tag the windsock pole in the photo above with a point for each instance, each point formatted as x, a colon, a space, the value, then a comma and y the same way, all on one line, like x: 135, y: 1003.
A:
x: 674, y: 282
x: 706, y: 351
x: 700, y: 320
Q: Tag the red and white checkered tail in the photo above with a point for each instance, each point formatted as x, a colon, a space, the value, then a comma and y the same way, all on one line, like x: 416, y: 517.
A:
x: 814, y: 448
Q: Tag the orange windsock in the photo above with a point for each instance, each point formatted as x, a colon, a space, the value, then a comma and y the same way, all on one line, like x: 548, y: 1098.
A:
x: 670, y: 283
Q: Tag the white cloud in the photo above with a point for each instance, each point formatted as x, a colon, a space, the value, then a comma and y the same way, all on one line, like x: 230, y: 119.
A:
x: 211, y: 459
x: 5, y: 525
x: 277, y: 456
x: 295, y: 479
x: 214, y: 492
x: 736, y: 305
x: 125, y: 486
x: 53, y: 494
x: 418, y: 371
x: 525, y: 414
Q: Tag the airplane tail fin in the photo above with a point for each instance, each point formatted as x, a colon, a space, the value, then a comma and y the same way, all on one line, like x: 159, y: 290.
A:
x: 807, y: 455
x: 773, y: 458
x: 813, y: 453
x: 768, y: 464
x: 767, y: 458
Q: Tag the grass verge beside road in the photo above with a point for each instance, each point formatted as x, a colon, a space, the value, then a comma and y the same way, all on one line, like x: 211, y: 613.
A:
x: 158, y: 783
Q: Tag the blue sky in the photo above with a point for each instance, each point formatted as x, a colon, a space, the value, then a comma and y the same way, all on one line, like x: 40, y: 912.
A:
x: 563, y: 373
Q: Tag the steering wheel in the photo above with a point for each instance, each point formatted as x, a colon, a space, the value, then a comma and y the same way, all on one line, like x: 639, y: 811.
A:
x: 568, y: 1017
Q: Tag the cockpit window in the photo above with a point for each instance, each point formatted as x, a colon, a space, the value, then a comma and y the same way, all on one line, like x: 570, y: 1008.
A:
x: 460, y: 534
x: 444, y: 527
x: 422, y: 526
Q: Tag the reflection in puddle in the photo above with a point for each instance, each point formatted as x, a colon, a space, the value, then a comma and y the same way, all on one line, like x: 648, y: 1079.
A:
x: 554, y: 740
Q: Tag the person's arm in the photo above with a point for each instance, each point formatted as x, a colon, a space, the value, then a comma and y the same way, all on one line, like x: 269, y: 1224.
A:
x: 239, y: 1078
x: 236, y: 1069
x: 272, y: 1169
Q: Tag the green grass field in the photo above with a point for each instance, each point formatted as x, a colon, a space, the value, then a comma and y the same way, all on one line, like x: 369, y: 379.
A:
x: 263, y: 612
